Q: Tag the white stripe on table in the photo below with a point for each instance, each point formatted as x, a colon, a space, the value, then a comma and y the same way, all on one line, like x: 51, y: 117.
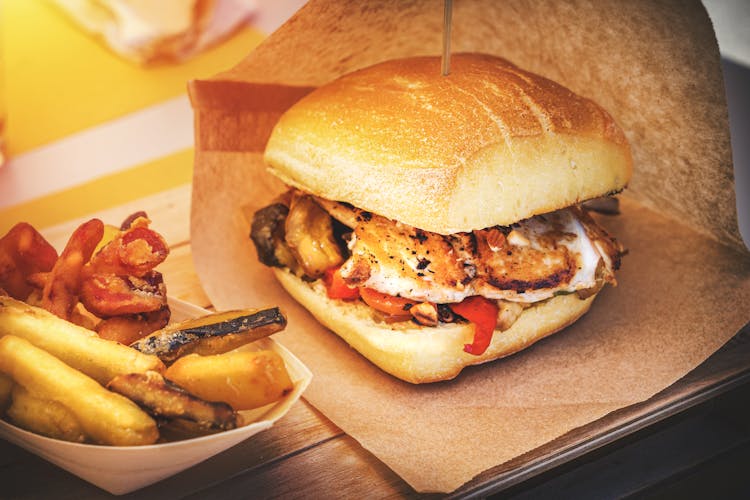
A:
x: 114, y: 146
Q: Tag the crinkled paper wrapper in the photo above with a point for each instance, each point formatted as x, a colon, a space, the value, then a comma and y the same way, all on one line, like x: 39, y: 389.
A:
x: 684, y: 288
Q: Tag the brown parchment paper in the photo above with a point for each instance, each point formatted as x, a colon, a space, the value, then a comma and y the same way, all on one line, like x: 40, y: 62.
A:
x: 684, y: 288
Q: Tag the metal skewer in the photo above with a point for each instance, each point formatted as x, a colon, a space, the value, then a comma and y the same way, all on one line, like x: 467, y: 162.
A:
x: 447, y: 16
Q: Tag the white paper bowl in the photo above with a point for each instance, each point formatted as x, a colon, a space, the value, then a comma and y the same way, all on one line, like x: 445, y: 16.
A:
x: 122, y: 469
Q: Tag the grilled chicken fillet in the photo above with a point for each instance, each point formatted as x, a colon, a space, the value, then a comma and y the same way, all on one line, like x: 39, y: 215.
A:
x: 532, y: 260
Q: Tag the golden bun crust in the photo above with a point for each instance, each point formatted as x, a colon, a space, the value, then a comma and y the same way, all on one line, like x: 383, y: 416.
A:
x: 427, y: 354
x: 489, y: 144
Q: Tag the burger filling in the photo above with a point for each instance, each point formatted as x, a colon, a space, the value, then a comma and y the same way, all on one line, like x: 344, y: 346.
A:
x: 487, y: 276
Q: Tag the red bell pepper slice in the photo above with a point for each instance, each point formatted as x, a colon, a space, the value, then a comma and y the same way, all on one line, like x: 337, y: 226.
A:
x: 336, y: 287
x: 482, y: 313
x: 388, y: 304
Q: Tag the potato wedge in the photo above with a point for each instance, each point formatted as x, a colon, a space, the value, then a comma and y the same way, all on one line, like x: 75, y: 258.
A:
x: 76, y: 346
x: 244, y: 379
x: 105, y: 417
x: 43, y: 416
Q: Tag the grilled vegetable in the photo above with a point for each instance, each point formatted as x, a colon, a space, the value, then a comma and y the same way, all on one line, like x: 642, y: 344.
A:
x: 309, y: 235
x: 211, y: 334
x: 268, y: 233
x: 162, y: 398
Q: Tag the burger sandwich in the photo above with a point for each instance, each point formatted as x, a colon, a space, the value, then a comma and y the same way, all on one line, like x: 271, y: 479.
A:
x: 435, y: 222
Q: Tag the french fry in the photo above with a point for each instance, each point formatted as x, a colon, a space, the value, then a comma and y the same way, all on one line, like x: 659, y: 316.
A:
x: 43, y: 416
x: 105, y: 417
x: 76, y: 346
x: 244, y: 379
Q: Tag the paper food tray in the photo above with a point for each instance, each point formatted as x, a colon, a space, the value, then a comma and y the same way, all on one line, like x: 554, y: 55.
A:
x: 122, y: 469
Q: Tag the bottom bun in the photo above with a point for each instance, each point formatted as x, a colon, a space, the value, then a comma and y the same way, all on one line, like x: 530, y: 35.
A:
x: 420, y: 354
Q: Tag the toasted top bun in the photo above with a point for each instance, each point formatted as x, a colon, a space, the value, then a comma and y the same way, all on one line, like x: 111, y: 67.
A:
x: 489, y: 144
x: 420, y: 354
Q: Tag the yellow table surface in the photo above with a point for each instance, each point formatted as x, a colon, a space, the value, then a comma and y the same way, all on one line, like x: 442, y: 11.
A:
x: 60, y: 80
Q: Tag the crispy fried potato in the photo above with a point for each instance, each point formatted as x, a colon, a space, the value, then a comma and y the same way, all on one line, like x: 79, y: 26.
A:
x: 129, y: 328
x: 43, y: 416
x: 23, y: 252
x: 62, y: 284
x: 78, y: 347
x: 105, y: 417
x: 244, y: 379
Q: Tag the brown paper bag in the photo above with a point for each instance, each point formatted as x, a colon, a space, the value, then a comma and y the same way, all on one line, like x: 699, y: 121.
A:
x: 684, y: 288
